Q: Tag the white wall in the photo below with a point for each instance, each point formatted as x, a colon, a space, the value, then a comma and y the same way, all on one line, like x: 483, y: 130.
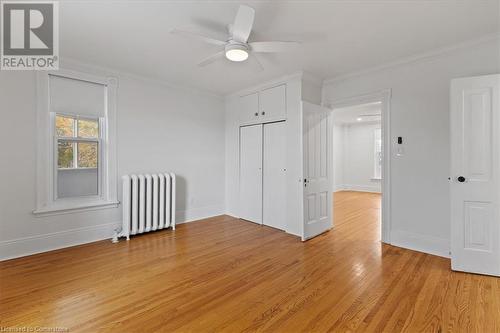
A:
x: 159, y: 128
x: 338, y: 156
x: 420, y: 114
x: 358, y: 157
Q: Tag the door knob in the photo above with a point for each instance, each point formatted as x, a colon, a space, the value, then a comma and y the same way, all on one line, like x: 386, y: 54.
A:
x: 263, y: 113
x: 256, y: 114
x: 461, y: 179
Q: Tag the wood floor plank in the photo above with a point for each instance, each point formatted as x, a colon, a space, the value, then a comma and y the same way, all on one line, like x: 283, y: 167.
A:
x: 227, y: 275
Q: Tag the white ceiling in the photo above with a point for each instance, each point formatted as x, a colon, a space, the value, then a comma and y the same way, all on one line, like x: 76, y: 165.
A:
x: 337, y: 36
x: 358, y: 114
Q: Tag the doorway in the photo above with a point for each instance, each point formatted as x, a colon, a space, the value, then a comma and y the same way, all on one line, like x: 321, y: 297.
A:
x: 361, y: 178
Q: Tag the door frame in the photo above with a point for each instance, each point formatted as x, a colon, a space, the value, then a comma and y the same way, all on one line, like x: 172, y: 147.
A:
x: 383, y: 96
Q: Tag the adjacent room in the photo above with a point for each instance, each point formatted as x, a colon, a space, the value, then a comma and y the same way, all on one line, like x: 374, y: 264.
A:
x: 357, y: 167
x: 250, y: 166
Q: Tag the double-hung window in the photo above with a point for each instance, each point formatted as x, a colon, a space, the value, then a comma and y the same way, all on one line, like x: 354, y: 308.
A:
x: 78, y: 142
x: 76, y: 158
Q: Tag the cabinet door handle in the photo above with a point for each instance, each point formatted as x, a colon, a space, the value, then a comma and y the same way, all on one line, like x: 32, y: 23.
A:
x: 256, y: 114
x: 263, y: 112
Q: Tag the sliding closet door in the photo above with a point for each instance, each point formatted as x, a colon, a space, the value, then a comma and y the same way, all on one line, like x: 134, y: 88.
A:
x: 251, y: 173
x: 274, y: 175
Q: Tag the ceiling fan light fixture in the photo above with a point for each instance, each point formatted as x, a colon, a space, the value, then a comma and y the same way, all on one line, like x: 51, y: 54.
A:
x: 236, y: 52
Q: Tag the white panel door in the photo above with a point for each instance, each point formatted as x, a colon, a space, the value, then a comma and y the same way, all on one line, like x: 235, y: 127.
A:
x: 475, y: 172
x: 317, y: 182
x: 250, y: 203
x: 274, y: 175
x: 272, y: 103
x: 249, y: 109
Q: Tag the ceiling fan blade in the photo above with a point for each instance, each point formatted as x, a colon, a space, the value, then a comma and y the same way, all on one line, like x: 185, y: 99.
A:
x: 196, y: 35
x: 269, y: 47
x: 256, y: 61
x: 243, y: 23
x: 211, y: 59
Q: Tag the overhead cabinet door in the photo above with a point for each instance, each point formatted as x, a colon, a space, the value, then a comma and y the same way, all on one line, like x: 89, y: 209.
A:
x: 249, y: 108
x: 272, y: 103
x: 251, y: 173
x: 264, y: 106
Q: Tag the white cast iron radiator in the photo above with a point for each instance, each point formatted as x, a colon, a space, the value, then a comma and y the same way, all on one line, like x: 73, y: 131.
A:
x: 148, y: 203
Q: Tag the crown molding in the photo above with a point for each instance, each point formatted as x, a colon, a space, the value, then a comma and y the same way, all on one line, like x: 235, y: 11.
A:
x: 71, y: 63
x: 422, y: 57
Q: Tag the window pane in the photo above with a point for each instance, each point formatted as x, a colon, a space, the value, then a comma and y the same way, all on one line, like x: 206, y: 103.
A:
x: 64, y: 154
x: 65, y: 126
x: 88, y: 128
x: 87, y: 154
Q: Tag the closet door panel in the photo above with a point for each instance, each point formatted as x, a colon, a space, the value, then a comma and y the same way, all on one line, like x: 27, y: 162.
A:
x: 274, y: 183
x: 250, y: 206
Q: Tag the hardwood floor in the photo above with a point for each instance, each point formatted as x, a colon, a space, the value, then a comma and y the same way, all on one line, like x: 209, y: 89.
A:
x: 223, y: 274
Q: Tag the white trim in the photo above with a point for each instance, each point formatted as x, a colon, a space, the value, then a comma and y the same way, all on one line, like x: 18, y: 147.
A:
x: 75, y: 208
x: 383, y: 96
x: 422, y: 57
x: 338, y: 188
x: 422, y: 243
x: 46, y: 165
x: 25, y: 246
x: 359, y: 188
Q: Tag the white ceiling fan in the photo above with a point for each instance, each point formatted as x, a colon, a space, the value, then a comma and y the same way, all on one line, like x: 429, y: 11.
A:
x: 237, y: 47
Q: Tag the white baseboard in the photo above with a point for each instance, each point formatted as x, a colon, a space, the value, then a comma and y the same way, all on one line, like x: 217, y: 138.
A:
x: 358, y: 188
x: 191, y: 215
x: 337, y: 188
x: 25, y: 246
x: 422, y: 243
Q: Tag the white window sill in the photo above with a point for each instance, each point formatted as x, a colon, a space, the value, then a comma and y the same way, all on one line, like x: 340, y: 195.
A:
x: 66, y: 208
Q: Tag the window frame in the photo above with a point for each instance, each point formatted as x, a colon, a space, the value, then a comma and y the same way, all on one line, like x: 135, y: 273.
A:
x: 47, y: 202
